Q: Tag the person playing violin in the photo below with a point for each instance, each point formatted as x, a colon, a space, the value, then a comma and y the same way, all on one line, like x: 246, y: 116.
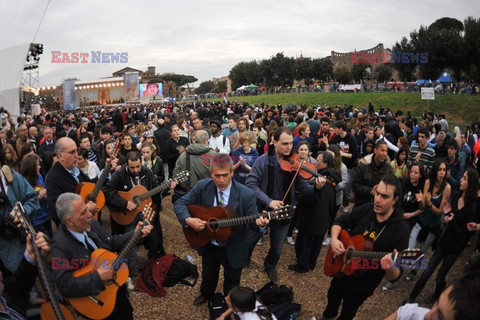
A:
x: 270, y: 184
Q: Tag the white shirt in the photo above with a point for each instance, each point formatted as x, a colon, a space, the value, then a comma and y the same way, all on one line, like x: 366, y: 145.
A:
x: 411, y: 311
x: 217, y: 142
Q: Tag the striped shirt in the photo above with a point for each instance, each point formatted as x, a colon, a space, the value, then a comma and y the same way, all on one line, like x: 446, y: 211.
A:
x: 92, y: 156
x: 427, y: 156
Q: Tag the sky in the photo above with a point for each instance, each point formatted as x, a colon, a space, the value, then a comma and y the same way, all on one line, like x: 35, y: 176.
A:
x: 206, y: 38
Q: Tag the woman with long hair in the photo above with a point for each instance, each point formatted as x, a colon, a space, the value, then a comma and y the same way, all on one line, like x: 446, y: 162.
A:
x: 459, y: 217
x: 9, y: 156
x: 436, y: 193
x: 399, y: 164
x: 108, y: 152
x: 152, y: 161
x: 304, y: 152
x: 30, y: 169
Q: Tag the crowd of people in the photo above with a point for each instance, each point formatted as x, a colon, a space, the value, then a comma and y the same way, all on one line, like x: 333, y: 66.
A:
x: 401, y: 181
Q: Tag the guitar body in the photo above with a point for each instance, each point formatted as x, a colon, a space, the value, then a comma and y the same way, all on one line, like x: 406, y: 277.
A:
x: 85, y: 189
x: 340, y: 264
x: 47, y: 313
x: 201, y: 238
x: 127, y: 216
x: 105, y: 301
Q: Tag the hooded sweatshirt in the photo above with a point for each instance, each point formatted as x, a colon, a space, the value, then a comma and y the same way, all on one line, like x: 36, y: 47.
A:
x: 390, y: 234
x: 200, y: 156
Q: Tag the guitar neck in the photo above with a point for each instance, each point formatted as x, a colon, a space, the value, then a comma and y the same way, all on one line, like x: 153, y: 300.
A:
x: 162, y: 187
x: 131, y: 244
x: 368, y: 255
x: 232, y: 222
x: 45, y: 277
x: 101, y: 181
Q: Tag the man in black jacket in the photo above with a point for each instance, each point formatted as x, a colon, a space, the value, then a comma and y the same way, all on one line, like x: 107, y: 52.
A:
x: 174, y: 147
x: 64, y: 175
x: 75, y: 239
x: 383, y: 223
x: 370, y: 170
x: 315, y: 207
x: 130, y: 175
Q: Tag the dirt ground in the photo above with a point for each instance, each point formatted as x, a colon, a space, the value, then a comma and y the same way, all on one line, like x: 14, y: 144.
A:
x: 310, y: 289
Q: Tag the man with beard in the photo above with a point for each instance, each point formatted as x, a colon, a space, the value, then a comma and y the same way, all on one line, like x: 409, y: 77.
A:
x: 383, y: 223
x: 370, y: 170
x: 130, y: 175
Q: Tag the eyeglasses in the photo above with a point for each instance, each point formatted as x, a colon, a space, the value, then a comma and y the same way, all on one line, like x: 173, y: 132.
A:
x: 72, y: 152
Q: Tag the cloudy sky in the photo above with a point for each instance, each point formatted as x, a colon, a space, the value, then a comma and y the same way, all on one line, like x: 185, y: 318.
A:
x: 206, y: 38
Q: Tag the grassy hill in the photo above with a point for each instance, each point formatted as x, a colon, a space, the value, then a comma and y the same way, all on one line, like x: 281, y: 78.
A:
x: 461, y: 110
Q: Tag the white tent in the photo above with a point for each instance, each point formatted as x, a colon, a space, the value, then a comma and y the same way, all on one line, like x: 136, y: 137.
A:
x: 12, y: 61
x: 241, y: 88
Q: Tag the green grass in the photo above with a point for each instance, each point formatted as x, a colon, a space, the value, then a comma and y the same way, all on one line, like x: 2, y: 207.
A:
x: 460, y: 110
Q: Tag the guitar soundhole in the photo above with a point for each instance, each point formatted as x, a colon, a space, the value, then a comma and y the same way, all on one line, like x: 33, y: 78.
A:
x: 213, y: 224
x: 136, y: 200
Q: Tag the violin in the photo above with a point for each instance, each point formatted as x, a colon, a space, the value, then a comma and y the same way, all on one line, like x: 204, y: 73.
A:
x: 305, y: 169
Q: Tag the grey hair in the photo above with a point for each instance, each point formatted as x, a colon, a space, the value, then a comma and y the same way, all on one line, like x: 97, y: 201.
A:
x: 60, y: 145
x: 64, y: 205
x: 201, y: 136
x: 221, y: 160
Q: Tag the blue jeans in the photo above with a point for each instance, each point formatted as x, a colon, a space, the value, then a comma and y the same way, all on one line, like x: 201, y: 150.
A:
x: 278, y: 234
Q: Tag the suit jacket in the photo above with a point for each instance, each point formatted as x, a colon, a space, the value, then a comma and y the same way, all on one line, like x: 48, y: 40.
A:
x: 69, y: 254
x: 59, y: 181
x: 242, y: 200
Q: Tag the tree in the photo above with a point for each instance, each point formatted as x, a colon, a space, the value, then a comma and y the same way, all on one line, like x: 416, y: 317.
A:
x: 383, y: 73
x: 245, y: 73
x: 302, y: 69
x: 321, y: 69
x: 358, y: 70
x: 205, y: 87
x: 342, y: 75
x: 471, y: 41
x: 405, y: 70
x: 278, y: 70
x: 220, y: 87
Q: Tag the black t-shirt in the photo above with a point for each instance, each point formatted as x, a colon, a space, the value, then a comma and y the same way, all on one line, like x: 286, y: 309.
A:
x: 389, y: 235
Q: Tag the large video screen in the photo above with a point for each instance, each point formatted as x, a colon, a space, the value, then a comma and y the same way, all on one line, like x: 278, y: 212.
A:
x: 150, y: 89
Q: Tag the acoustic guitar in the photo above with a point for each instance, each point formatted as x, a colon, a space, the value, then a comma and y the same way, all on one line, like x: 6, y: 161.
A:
x: 90, y: 191
x: 52, y: 309
x: 359, y: 256
x: 220, y: 222
x: 141, y: 197
x: 102, y: 305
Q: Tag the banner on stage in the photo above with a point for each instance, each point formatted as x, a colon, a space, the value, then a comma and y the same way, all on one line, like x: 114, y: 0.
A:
x: 69, y: 95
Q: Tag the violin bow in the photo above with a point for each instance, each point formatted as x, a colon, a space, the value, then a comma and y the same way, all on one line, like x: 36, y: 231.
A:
x: 293, y: 181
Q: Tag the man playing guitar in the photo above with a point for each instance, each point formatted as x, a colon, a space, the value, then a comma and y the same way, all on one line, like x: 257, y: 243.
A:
x: 383, y: 223
x: 232, y: 254
x: 75, y: 239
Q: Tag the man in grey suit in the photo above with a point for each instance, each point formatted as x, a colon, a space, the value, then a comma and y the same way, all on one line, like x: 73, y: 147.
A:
x: 220, y: 190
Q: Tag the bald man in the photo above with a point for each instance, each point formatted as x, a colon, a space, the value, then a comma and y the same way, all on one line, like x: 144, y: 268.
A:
x: 64, y: 175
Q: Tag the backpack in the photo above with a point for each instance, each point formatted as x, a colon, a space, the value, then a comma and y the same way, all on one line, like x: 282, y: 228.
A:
x: 217, y: 306
x: 180, y: 270
x: 165, y: 271
x: 279, y: 301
